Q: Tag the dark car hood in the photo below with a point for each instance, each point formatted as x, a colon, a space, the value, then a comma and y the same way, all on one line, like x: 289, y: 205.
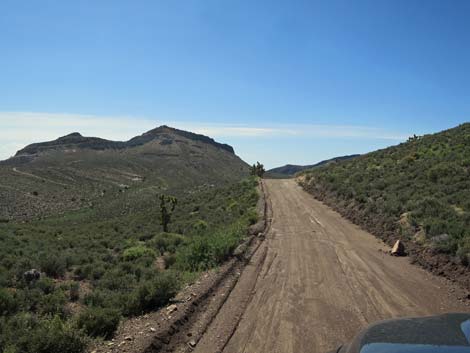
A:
x: 449, y: 333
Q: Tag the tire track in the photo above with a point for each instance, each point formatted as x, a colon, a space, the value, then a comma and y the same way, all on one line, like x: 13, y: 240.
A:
x: 319, y: 282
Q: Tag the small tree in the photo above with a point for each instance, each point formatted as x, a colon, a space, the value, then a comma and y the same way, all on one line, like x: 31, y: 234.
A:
x: 253, y: 170
x: 166, y: 211
x: 413, y: 138
x: 257, y: 170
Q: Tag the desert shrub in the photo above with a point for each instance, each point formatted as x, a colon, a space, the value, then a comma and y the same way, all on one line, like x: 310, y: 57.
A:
x: 233, y: 206
x: 145, y: 236
x: 74, y: 291
x: 252, y: 216
x: 206, y: 251
x: 5, y: 278
x: 463, y: 252
x: 85, y: 271
x: 200, y: 226
x: 26, y: 334
x: 45, y: 284
x: 154, y: 293
x: 99, y: 322
x: 430, y: 207
x: 444, y: 243
x: 21, y: 265
x: 53, y: 265
x: 97, y: 272
x: 55, y: 336
x: 166, y: 242
x: 8, y: 303
x: 138, y: 251
x: 195, y: 256
x: 53, y: 303
x: 116, y: 279
x: 105, y: 298
x: 170, y: 260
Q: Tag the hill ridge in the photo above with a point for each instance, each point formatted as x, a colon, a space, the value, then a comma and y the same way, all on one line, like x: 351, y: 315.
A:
x: 77, y: 140
x: 75, y: 171
x: 291, y: 169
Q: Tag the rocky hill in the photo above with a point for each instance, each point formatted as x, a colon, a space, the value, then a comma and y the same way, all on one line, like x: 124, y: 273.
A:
x: 289, y: 170
x: 417, y: 191
x: 93, y: 231
x: 74, y: 171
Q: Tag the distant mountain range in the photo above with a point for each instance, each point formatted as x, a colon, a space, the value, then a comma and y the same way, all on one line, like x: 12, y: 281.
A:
x: 73, y: 171
x: 291, y: 169
x: 76, y: 140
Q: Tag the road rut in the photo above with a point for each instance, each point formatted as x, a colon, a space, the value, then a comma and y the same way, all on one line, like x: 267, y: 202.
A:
x: 316, y: 281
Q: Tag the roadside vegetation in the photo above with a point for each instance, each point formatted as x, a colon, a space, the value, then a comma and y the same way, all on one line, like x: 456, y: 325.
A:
x: 98, y: 265
x: 419, y: 190
x: 257, y: 170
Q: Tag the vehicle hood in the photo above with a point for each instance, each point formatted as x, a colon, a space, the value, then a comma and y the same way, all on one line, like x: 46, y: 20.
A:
x: 448, y: 333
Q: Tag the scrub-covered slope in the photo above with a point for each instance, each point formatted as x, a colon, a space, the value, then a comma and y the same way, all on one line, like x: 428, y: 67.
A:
x: 93, y: 232
x: 418, y: 191
x: 74, y: 171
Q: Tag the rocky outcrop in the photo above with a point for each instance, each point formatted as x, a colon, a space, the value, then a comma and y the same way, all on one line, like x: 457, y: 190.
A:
x: 398, y: 249
x: 31, y: 275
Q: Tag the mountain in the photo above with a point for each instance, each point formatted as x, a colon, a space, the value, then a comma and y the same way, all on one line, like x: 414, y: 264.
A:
x: 75, y: 171
x: 417, y: 191
x: 87, y: 238
x: 75, y: 140
x: 292, y: 169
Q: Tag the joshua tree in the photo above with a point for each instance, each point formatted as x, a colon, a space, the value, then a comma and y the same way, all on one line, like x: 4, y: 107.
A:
x: 257, y: 169
x: 166, y: 211
x: 413, y: 138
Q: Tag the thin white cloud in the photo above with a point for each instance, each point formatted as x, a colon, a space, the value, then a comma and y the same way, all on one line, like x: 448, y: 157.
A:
x: 311, y: 130
x: 18, y: 129
x: 218, y: 130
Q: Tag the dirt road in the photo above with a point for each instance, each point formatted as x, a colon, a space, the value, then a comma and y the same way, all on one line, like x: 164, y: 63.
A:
x: 316, y: 281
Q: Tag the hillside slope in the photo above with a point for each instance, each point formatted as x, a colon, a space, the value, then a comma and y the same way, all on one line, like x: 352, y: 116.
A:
x: 75, y: 171
x: 292, y: 169
x: 418, y: 191
x: 87, y: 240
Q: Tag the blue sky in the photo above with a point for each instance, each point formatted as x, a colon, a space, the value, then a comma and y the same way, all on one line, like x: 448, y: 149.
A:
x: 282, y: 81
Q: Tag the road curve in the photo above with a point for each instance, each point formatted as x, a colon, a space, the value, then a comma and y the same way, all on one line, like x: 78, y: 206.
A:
x: 320, y: 280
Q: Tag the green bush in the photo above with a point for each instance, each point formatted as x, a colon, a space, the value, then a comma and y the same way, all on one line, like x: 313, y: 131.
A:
x: 8, y: 303
x: 154, y: 293
x: 252, y: 216
x: 55, y: 336
x: 53, y: 265
x: 53, y: 303
x: 463, y: 252
x: 138, y: 251
x: 99, y: 322
x: 166, y: 242
x: 200, y: 226
x: 26, y: 334
x: 196, y: 256
x: 74, y: 291
x: 45, y: 284
x: 206, y: 251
